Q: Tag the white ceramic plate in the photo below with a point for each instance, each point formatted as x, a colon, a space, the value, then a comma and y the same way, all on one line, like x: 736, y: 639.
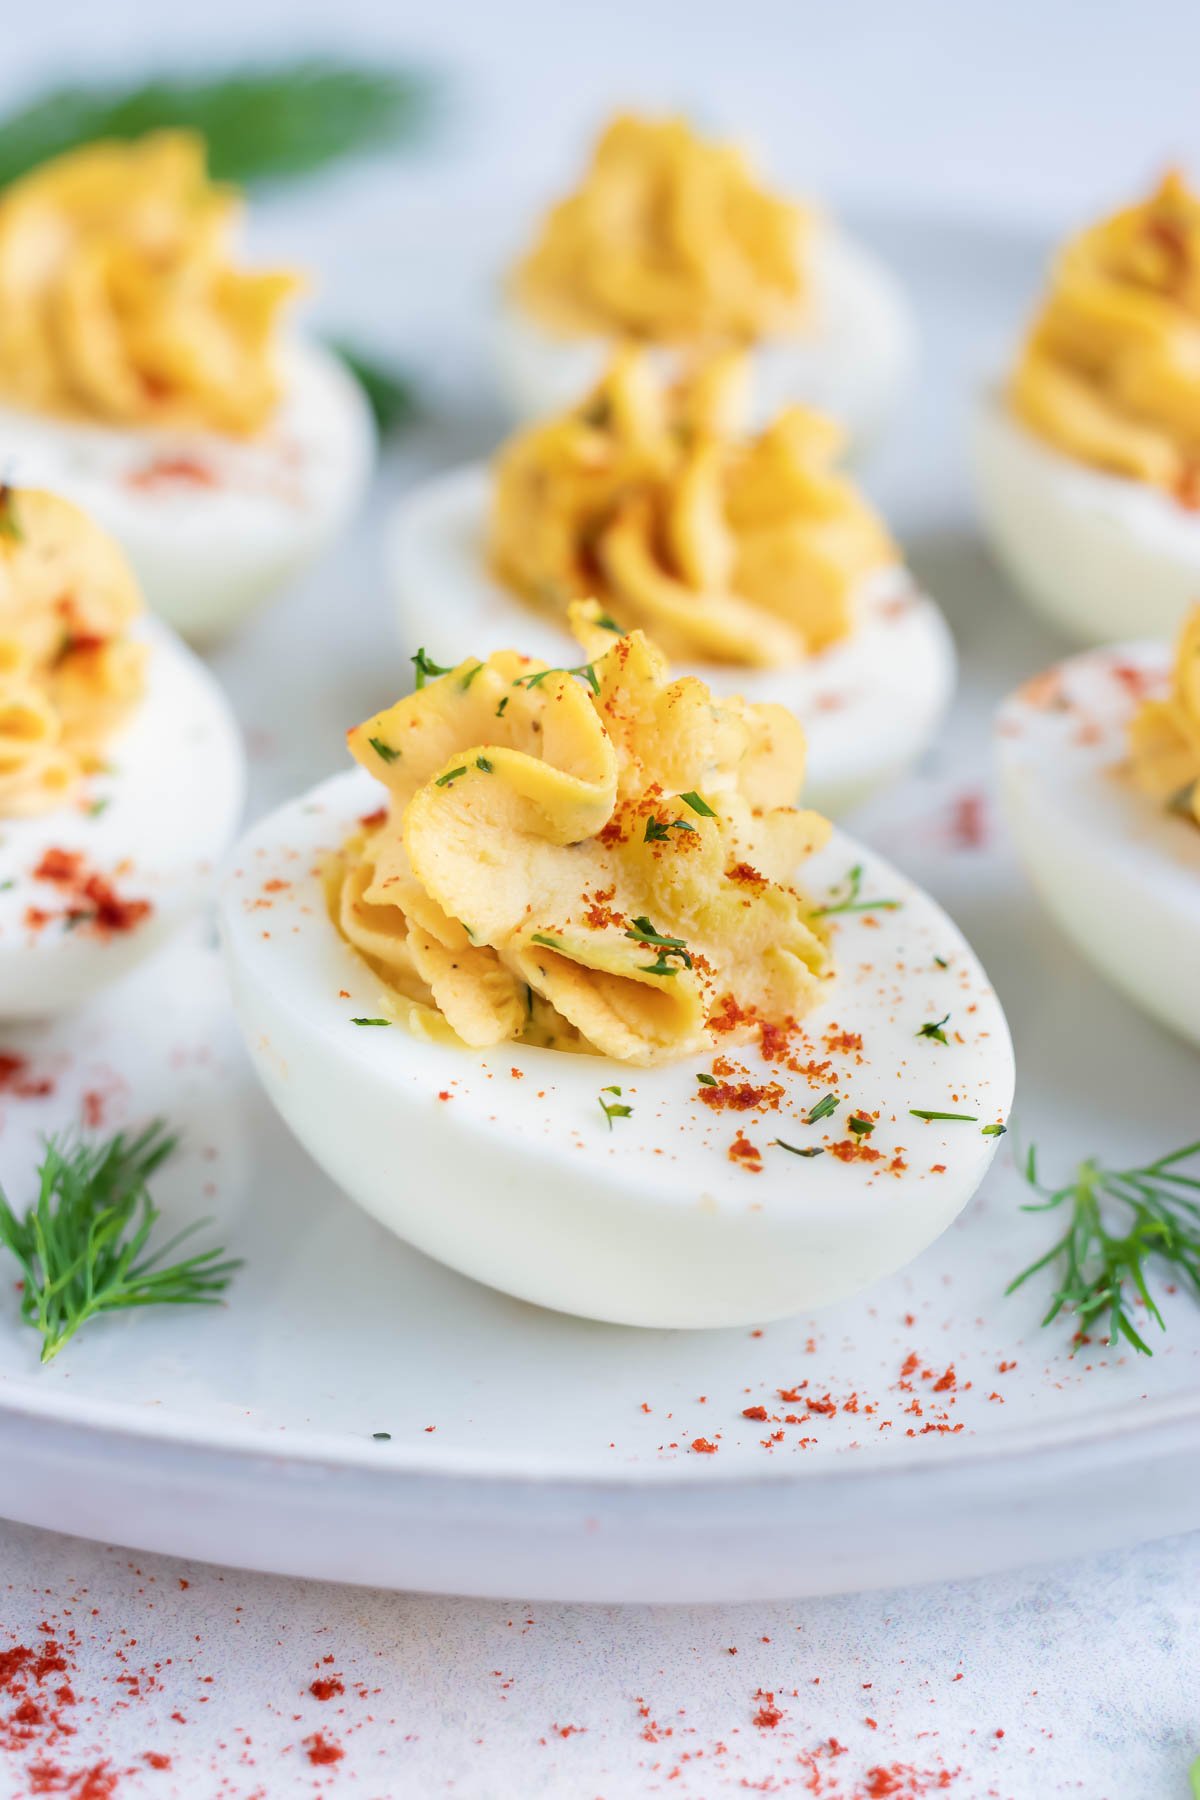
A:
x: 537, y: 1455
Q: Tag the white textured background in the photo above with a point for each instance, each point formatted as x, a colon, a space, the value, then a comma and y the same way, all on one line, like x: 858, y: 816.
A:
x: 1039, y: 111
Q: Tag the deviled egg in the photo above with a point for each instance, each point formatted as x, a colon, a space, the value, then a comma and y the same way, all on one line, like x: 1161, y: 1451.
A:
x: 672, y: 241
x: 562, y: 988
x: 750, y: 560
x: 144, y: 376
x: 1087, y: 460
x: 1100, y: 766
x: 120, y: 766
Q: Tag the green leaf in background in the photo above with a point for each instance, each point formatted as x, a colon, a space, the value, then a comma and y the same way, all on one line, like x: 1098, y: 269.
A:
x: 389, y: 391
x: 274, y: 123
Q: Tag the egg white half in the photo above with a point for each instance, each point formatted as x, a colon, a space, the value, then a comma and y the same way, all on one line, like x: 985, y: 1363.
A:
x: 869, y: 705
x: 1119, y: 874
x: 502, y: 1165
x: 1099, y: 556
x: 212, y: 524
x: 852, y: 361
x: 156, y: 824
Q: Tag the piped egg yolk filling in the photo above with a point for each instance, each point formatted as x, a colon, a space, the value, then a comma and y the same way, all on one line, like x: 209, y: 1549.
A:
x: 594, y: 859
x: 118, y: 300
x: 1111, y: 370
x: 725, y: 548
x: 1164, y: 735
x: 668, y: 238
x: 69, y: 673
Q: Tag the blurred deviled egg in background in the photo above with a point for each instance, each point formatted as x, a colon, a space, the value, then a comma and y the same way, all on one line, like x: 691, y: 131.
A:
x: 1100, y: 768
x: 147, y: 377
x: 750, y: 559
x: 120, y: 766
x: 1087, y: 459
x: 671, y: 240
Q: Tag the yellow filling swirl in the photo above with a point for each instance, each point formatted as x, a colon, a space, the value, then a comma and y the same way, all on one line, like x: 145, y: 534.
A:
x: 118, y: 299
x: 668, y: 238
x: 724, y: 548
x: 1111, y: 369
x: 69, y: 674
x: 1164, y: 735
x: 599, y: 859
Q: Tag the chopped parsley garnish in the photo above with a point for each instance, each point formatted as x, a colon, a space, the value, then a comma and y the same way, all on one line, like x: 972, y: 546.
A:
x: 643, y: 932
x: 658, y: 830
x: 1101, y: 1269
x: 993, y: 1130
x: 917, y: 1112
x: 1183, y: 800
x: 698, y: 805
x: 370, y: 1021
x: 822, y: 1110
x: 851, y: 901
x: 932, y: 1028
x: 481, y: 762
x: 587, y: 671
x: 707, y: 1080
x: 810, y: 1150
x: 613, y: 1109
x: 941, y: 962
x: 450, y: 775
x: 427, y: 669
x: 501, y: 707
x: 384, y: 750
x: 9, y: 524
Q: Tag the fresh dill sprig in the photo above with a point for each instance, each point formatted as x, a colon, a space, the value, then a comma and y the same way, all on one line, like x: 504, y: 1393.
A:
x: 852, y: 901
x: 81, y: 1246
x: 277, y: 122
x: 1101, y: 1269
x: 389, y: 392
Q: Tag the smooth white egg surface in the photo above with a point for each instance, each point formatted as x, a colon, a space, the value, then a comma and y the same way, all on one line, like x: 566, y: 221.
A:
x: 89, y: 889
x: 1119, y: 873
x: 503, y: 1165
x: 212, y: 524
x: 1101, y: 557
x: 852, y: 362
x: 869, y: 705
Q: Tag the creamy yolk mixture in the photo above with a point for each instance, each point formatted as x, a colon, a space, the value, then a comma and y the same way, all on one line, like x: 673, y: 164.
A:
x: 670, y: 238
x: 1164, y: 735
x: 118, y: 299
x: 725, y: 548
x: 1111, y: 369
x: 599, y: 858
x: 69, y: 673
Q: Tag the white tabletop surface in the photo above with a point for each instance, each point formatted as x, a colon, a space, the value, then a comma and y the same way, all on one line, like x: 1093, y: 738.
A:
x: 1078, y: 1681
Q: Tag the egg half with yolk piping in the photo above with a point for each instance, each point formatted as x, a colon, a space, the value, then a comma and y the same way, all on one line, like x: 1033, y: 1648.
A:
x: 671, y: 241
x: 870, y: 703
x: 121, y: 771
x: 146, y: 376
x: 1115, y: 859
x: 1087, y: 460
x: 760, y: 1136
